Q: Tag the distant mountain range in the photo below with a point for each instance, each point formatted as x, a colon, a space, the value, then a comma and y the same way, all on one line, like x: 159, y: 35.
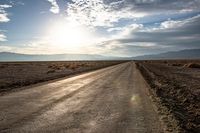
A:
x: 8, y: 56
x: 183, y: 54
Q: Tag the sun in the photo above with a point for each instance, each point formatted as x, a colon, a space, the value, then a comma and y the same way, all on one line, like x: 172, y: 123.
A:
x: 68, y: 35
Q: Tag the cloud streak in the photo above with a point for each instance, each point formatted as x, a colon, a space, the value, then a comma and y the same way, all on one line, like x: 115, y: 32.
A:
x: 3, y: 13
x: 159, y: 6
x: 54, y: 6
x: 3, y: 38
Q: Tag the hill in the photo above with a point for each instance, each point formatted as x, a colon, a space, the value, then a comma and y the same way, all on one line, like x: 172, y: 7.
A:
x: 183, y: 54
x: 8, y: 56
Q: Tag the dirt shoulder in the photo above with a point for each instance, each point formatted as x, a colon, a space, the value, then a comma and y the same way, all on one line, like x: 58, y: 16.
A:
x: 176, y: 88
x: 18, y: 74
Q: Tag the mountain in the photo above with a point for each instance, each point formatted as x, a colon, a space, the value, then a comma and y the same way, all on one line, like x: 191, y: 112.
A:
x: 183, y: 54
x: 8, y: 56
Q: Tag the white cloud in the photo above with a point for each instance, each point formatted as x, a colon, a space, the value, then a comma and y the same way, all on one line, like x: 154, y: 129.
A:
x: 5, y: 6
x: 31, y: 48
x: 42, y: 47
x: 145, y: 1
x: 3, y: 13
x: 97, y: 13
x: 144, y: 44
x: 4, y: 17
x: 169, y: 35
x: 126, y: 30
x: 54, y: 6
x: 170, y: 24
x: 2, y: 37
x: 6, y: 48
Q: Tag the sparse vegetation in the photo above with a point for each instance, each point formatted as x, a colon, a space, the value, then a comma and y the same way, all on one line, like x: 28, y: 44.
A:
x: 51, y: 71
x: 176, y: 90
x: 192, y: 65
x: 177, y: 64
x: 17, y: 74
x: 2, y: 66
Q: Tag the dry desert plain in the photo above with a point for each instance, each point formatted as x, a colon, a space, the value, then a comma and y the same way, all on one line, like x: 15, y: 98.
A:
x: 125, y: 97
x: 175, y: 86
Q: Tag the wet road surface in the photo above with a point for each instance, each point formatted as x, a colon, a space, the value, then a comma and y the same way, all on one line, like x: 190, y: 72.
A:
x: 110, y: 100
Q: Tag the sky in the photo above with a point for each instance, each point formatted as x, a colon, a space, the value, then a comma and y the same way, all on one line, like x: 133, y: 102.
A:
x: 106, y: 27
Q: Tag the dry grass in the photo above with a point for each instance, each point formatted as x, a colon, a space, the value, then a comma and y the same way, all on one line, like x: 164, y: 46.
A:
x: 2, y: 66
x: 192, y: 65
x: 74, y: 65
x: 17, y: 74
x: 177, y: 89
x: 51, y: 71
x: 177, y: 64
x: 56, y: 66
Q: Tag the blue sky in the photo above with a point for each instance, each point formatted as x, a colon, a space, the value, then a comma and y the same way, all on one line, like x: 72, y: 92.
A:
x: 106, y: 27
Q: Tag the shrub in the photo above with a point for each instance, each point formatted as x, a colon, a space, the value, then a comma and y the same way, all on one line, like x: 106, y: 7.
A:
x: 51, y: 71
x: 73, y: 67
x: 176, y: 64
x: 192, y: 65
x: 2, y: 66
x: 57, y: 66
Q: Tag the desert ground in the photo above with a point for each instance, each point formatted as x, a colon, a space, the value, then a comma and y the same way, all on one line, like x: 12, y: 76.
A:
x: 175, y: 85
x: 17, y: 74
x: 114, y: 99
x: 159, y: 96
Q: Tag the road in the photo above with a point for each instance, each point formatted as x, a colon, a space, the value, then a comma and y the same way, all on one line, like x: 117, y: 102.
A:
x: 110, y: 100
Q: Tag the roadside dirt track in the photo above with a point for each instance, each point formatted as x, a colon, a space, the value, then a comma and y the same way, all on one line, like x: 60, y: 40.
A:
x: 110, y: 100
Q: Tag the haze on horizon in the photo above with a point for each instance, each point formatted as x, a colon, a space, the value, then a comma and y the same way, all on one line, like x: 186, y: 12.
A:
x: 105, y: 27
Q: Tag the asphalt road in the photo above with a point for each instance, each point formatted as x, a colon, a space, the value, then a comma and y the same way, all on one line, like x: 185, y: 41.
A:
x: 110, y: 100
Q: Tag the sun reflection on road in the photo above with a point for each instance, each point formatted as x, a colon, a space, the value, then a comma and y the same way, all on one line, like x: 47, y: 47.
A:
x: 135, y: 99
x: 92, y: 123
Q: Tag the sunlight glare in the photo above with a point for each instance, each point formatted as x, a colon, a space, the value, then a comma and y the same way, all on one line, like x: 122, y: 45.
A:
x: 68, y: 35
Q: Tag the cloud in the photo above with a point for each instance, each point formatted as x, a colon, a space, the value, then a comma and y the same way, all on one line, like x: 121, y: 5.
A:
x: 125, y: 31
x: 54, y: 6
x: 170, y: 35
x: 5, y: 6
x: 2, y: 37
x: 171, y: 32
x: 97, y: 13
x: 31, y: 48
x: 136, y: 39
x: 125, y: 28
x: 6, y: 48
x: 159, y: 6
x: 3, y: 13
x: 128, y: 27
x: 107, y: 13
x: 174, y: 24
x: 3, y: 18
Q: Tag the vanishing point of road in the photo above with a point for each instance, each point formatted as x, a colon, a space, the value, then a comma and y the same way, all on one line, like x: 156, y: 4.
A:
x: 110, y: 100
